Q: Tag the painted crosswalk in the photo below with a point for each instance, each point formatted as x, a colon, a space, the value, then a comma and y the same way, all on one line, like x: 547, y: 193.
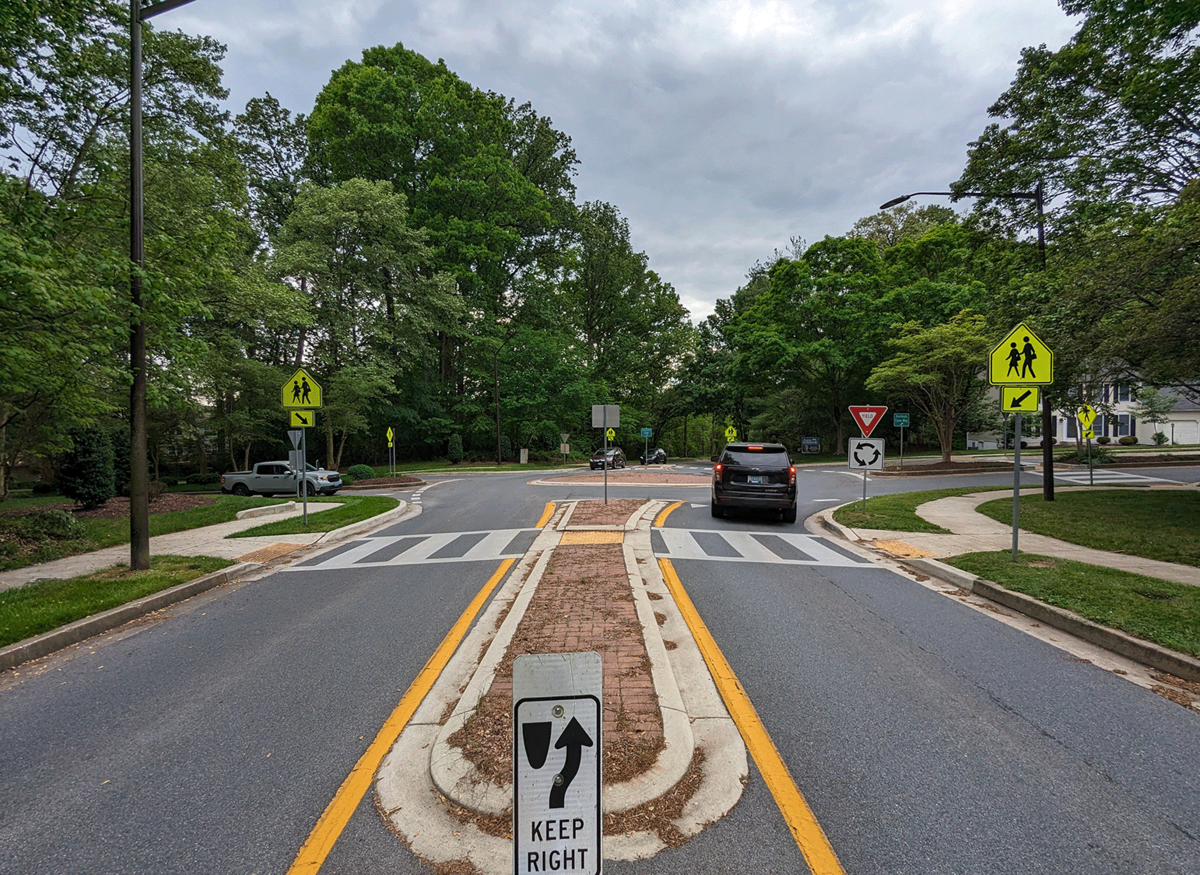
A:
x: 1105, y: 477
x: 781, y: 548
x: 425, y: 549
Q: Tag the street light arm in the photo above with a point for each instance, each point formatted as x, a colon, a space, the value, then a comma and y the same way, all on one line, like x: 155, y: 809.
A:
x: 150, y: 9
x: 1022, y: 195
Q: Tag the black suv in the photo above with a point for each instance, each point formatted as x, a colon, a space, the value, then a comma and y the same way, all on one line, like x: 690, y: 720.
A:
x: 656, y: 456
x: 755, y: 476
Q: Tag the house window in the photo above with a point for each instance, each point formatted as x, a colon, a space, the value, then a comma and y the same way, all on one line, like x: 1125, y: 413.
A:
x: 1123, y: 425
x: 1072, y: 428
x: 1122, y: 391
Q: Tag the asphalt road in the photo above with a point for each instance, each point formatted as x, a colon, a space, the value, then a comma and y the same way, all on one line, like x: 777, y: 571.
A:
x: 926, y: 737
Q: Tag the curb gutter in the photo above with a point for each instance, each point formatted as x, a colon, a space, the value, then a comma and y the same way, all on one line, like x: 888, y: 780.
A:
x: 56, y: 639
x: 1145, y: 652
x: 1121, y: 643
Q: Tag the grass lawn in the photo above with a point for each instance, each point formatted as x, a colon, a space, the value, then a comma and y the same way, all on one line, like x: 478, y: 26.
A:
x: 1162, y: 524
x: 39, y: 607
x: 353, y: 509
x: 1154, y: 610
x: 897, y: 513
x: 95, y: 534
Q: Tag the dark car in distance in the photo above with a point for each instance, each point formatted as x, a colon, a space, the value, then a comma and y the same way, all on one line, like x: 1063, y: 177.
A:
x: 615, y: 458
x: 757, y: 477
x: 656, y: 456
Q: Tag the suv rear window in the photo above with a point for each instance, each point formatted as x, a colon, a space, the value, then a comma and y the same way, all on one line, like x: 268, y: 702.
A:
x: 764, y: 458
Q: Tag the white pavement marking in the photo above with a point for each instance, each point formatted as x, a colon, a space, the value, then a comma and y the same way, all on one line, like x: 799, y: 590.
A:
x: 492, y: 547
x: 1106, y: 478
x: 682, y: 544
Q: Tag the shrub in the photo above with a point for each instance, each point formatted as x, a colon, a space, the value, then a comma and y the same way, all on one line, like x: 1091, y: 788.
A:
x: 1159, y: 439
x: 1103, y: 439
x: 360, y: 472
x: 1127, y: 440
x: 454, y: 452
x: 210, y: 479
x: 505, y: 448
x: 86, y: 471
x: 49, y: 524
x: 44, y: 489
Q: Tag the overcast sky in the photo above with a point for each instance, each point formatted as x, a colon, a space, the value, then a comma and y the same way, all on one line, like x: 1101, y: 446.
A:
x: 718, y: 129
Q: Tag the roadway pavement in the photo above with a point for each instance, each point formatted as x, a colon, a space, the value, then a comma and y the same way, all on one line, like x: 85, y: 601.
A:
x: 681, y: 680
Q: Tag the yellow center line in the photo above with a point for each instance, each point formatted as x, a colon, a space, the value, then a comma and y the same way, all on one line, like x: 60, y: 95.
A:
x: 337, y: 814
x: 809, y: 836
x: 661, y: 519
x: 546, y: 514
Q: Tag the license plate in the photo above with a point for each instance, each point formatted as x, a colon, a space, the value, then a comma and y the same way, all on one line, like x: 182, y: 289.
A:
x: 753, y: 479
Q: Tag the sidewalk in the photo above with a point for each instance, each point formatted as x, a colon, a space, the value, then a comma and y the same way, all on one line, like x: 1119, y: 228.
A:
x: 973, y: 532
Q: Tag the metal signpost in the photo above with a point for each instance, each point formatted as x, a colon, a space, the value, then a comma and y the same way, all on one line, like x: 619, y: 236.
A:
x: 299, y: 462
x: 900, y: 421
x: 391, y: 435
x: 1086, y: 417
x: 607, y: 417
x: 557, y: 764
x: 1017, y: 363
x: 646, y: 432
x: 866, y: 454
x: 298, y: 396
x: 565, y: 446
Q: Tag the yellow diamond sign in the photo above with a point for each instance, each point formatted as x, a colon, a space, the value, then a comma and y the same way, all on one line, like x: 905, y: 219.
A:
x: 1021, y: 359
x: 301, y: 391
x: 1086, y: 415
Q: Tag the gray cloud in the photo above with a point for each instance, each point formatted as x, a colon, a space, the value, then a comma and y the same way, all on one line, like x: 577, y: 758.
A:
x: 718, y: 128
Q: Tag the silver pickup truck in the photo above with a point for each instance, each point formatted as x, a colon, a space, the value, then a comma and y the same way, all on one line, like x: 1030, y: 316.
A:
x: 274, y: 478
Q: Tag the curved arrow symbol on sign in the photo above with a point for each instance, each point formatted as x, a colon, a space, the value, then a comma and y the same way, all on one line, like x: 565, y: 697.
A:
x: 864, y: 463
x: 574, y: 738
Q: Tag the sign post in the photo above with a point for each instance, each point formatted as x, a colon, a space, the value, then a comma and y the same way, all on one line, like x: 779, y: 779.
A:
x: 391, y: 436
x: 299, y: 395
x: 607, y: 417
x: 1086, y: 417
x: 646, y: 432
x: 1020, y: 361
x: 557, y: 764
x: 900, y: 421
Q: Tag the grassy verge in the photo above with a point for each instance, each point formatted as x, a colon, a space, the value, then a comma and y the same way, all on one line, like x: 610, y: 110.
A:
x: 39, y: 607
x: 1157, y: 524
x: 97, y: 534
x: 1154, y: 610
x: 353, y: 509
x: 898, y: 513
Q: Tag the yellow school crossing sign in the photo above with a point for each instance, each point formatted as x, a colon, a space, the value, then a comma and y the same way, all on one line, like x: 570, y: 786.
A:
x: 1086, y: 416
x: 730, y: 434
x: 301, y: 391
x: 1021, y: 359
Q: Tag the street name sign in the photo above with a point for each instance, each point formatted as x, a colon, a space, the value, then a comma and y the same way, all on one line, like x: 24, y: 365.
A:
x: 1019, y: 399
x: 900, y: 420
x: 1021, y: 359
x: 647, y: 432
x: 867, y: 416
x: 557, y: 770
x: 866, y: 454
x: 301, y: 391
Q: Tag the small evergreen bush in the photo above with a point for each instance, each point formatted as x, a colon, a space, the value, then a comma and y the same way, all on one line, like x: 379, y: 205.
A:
x: 49, y: 524
x: 505, y: 448
x: 1103, y: 439
x: 86, y: 473
x: 1127, y: 440
x: 360, y: 472
x: 454, y: 451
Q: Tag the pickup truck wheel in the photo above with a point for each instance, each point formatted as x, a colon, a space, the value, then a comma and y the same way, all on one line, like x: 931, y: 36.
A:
x: 241, y: 489
x: 310, y: 489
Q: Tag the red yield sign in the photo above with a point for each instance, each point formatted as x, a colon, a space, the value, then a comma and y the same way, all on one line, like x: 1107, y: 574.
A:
x: 867, y: 416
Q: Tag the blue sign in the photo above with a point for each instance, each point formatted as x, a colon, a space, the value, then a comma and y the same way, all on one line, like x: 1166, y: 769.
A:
x: 810, y: 445
x: 647, y: 432
x: 900, y: 420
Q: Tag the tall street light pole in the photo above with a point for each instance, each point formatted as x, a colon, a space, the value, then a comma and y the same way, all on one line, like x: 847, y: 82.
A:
x: 139, y: 474
x: 1038, y: 198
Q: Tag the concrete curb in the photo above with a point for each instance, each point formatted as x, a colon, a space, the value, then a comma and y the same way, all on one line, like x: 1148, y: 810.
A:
x: 1121, y: 643
x: 367, y: 525
x: 49, y: 642
x: 269, y: 510
x: 1145, y: 652
x: 456, y: 778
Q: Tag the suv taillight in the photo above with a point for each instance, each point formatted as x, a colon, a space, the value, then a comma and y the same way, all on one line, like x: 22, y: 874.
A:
x: 717, y: 469
x: 791, y: 475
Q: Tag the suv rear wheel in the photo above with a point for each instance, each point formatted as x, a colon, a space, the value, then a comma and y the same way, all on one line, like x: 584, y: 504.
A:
x: 717, y: 511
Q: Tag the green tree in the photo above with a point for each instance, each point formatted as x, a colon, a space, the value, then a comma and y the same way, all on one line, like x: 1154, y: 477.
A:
x: 85, y: 471
x: 937, y: 369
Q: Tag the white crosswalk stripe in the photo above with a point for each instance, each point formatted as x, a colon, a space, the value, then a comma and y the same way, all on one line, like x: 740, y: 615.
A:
x: 716, y: 546
x: 1104, y: 477
x: 450, y: 547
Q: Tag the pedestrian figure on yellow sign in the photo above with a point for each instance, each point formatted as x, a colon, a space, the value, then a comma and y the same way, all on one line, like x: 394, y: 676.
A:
x: 1014, y: 358
x: 306, y: 388
x: 296, y: 390
x: 1029, y: 355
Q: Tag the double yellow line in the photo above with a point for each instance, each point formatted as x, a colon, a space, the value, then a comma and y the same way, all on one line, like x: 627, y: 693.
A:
x: 810, y: 838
